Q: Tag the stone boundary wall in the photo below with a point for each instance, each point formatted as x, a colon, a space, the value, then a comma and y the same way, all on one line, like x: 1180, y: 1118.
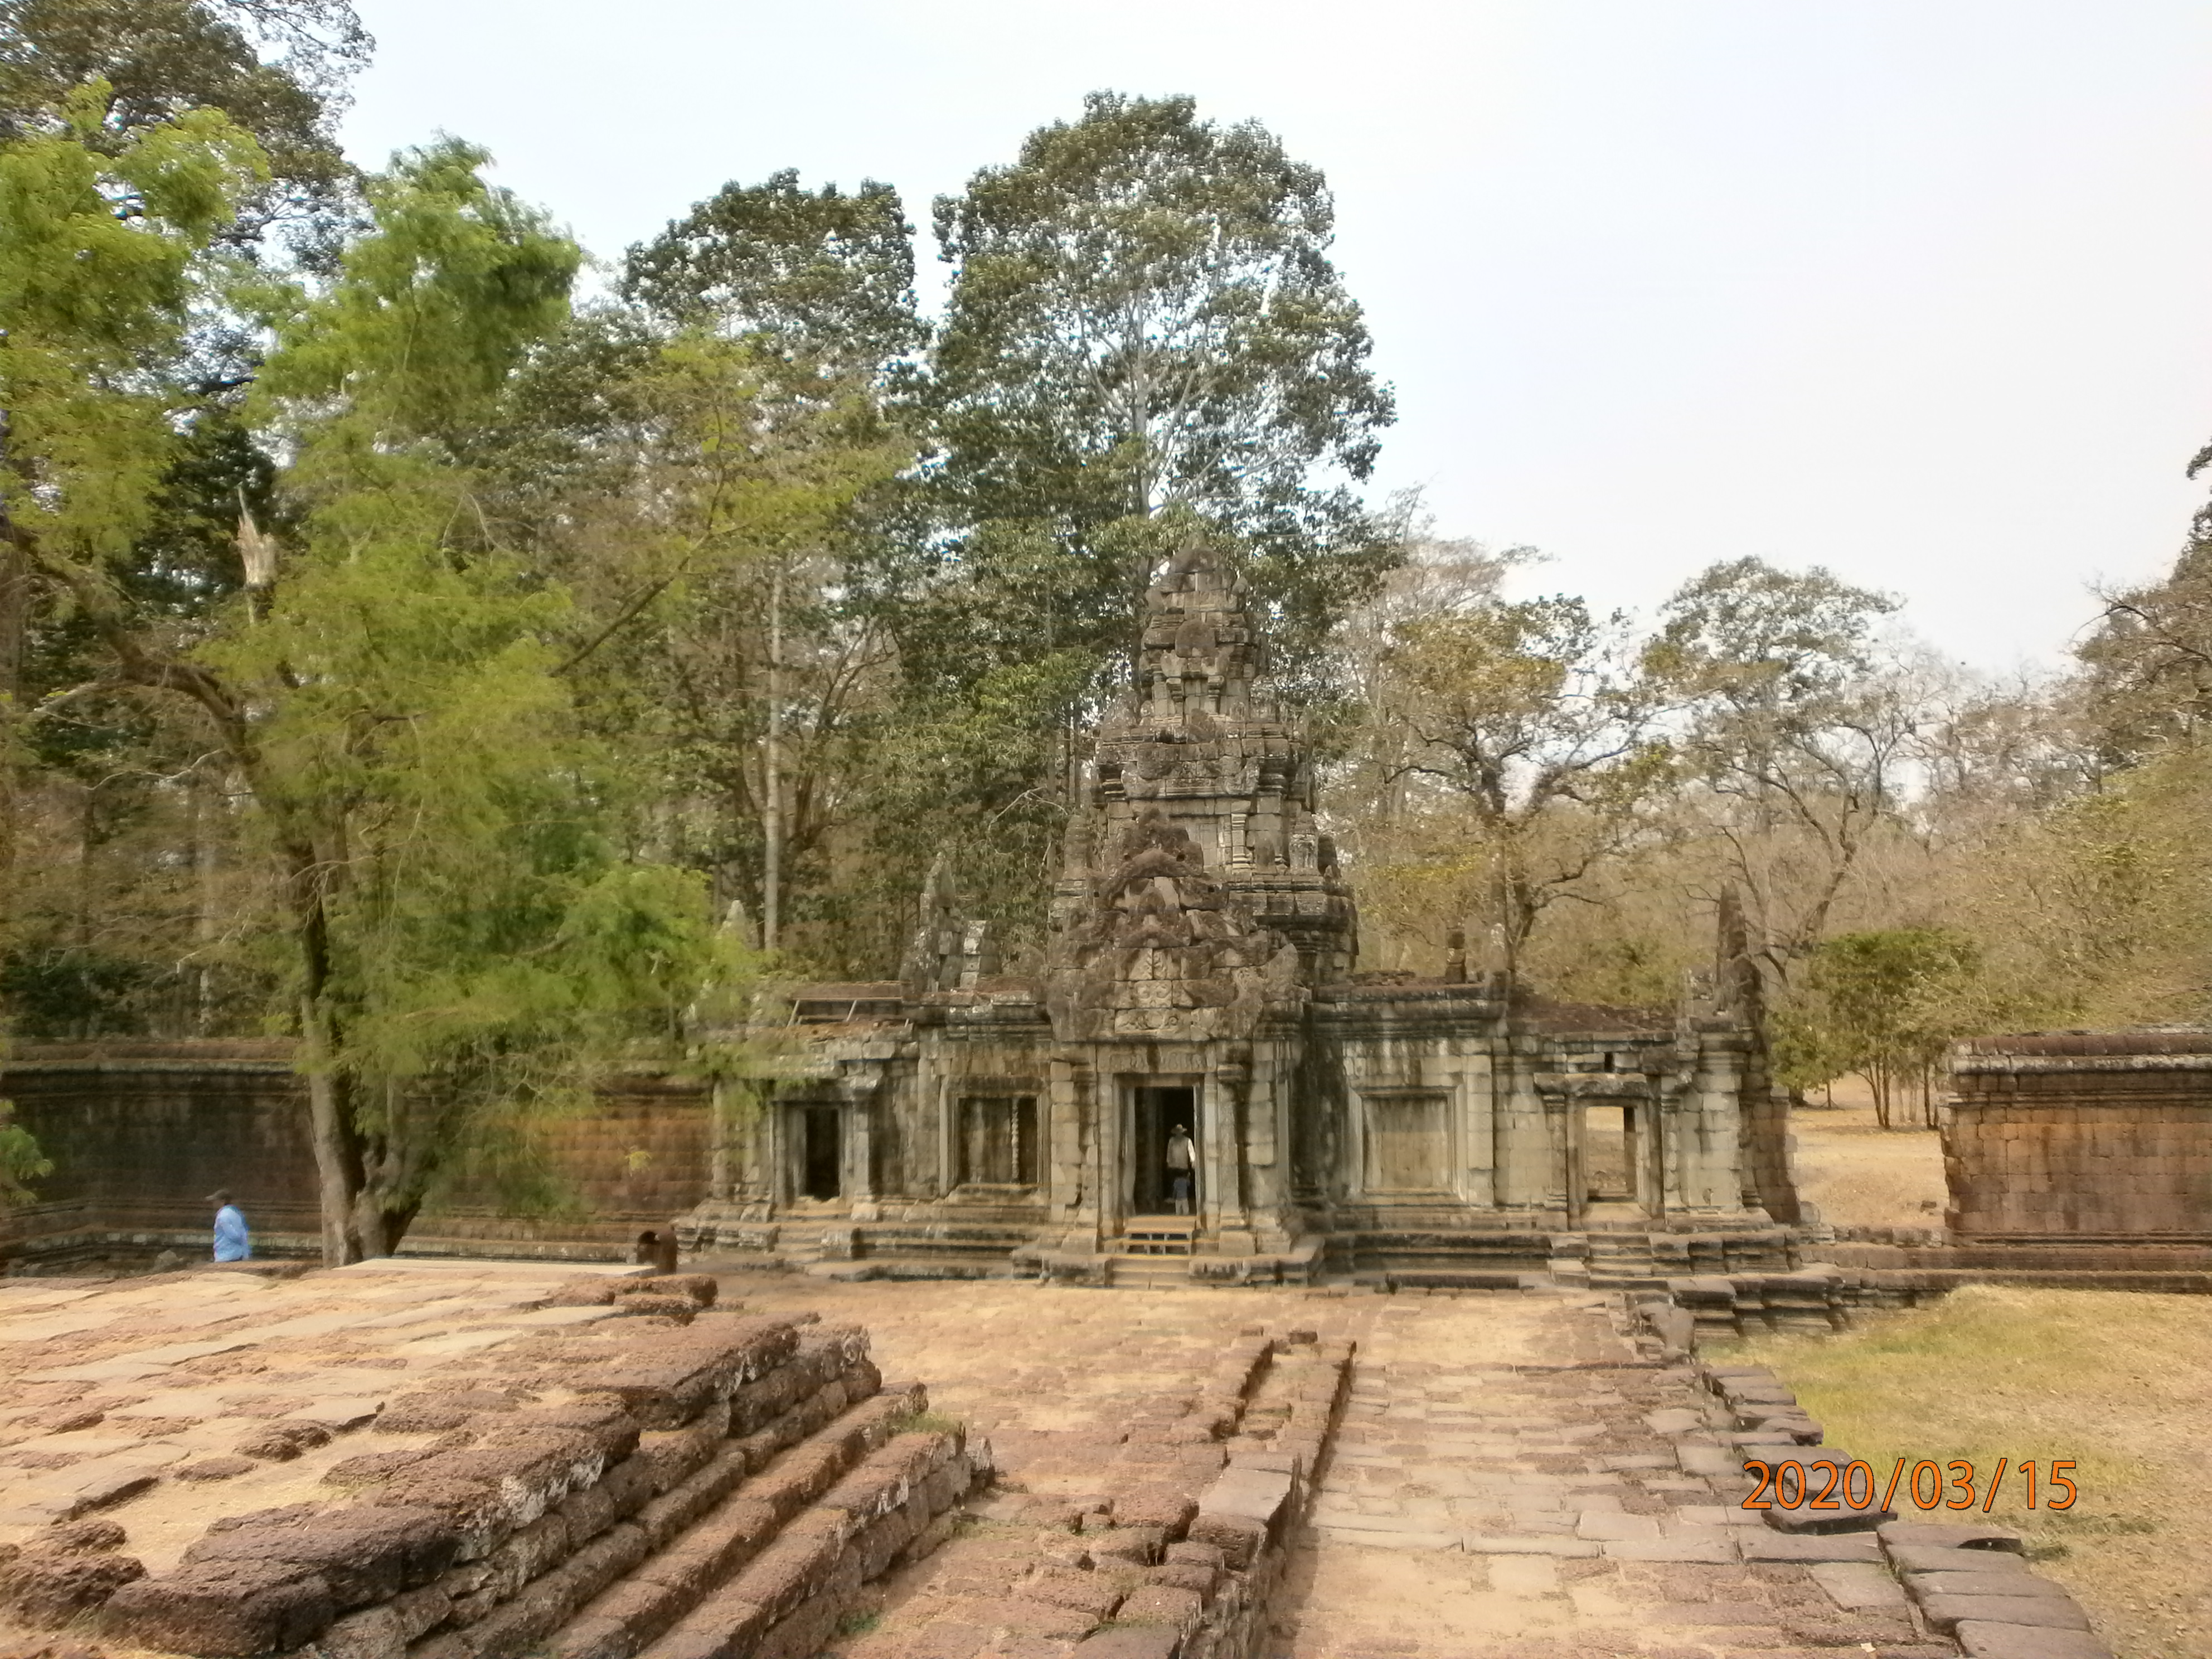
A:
x: 2080, y: 1136
x: 140, y: 1133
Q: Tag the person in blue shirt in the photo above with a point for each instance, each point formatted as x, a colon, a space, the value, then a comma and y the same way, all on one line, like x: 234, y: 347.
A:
x: 231, y: 1243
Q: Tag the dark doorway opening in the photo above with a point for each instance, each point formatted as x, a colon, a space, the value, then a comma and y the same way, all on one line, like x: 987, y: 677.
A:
x: 822, y: 1153
x: 1157, y: 1113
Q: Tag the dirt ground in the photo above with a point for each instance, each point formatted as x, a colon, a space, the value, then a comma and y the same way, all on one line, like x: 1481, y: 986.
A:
x: 1860, y: 1174
x: 2113, y: 1381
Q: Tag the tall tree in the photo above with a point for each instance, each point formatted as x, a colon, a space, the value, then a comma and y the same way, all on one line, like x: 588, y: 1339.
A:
x: 1801, y: 724
x: 800, y: 305
x: 821, y: 277
x: 1529, y: 716
x: 1144, y: 315
x: 468, y: 939
x: 104, y: 253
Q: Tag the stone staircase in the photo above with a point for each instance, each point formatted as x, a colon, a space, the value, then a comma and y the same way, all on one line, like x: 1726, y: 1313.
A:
x: 1160, y: 1235
x: 1619, y: 1261
x: 688, y: 1484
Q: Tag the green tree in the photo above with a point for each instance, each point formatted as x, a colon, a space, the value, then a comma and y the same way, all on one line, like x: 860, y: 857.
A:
x: 823, y: 277
x: 1798, y: 721
x: 21, y: 1162
x: 1874, y: 1003
x: 1529, y: 715
x: 1144, y: 315
x: 277, y: 68
x: 106, y: 249
x: 468, y: 940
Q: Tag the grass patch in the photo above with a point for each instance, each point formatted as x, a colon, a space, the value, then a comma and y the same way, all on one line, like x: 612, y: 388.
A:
x: 858, y: 1624
x: 2114, y: 1380
x: 925, y: 1422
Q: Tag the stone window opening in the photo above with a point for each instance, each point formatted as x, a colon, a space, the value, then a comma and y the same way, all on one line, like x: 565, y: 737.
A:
x: 1408, y: 1145
x: 996, y: 1144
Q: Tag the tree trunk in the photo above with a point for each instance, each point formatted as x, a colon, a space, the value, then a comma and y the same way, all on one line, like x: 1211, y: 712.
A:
x: 771, y: 773
x: 337, y: 1149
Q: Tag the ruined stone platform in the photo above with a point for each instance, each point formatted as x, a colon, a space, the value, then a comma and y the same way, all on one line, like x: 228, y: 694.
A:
x: 451, y: 1460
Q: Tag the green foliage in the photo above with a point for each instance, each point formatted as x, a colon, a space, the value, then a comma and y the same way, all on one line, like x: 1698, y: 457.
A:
x: 1144, y: 316
x: 101, y: 258
x: 1882, y: 1004
x: 826, y: 278
x: 1528, y: 711
x: 273, y: 67
x: 20, y: 1161
x: 475, y: 941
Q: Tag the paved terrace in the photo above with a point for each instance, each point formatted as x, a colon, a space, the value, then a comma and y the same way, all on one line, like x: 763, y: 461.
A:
x: 1505, y: 1481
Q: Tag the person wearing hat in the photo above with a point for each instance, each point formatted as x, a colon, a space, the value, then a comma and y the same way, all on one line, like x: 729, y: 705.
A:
x: 231, y: 1242
x: 1182, y: 1159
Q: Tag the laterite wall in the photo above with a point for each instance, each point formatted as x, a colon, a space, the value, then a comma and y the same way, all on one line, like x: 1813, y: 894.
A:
x: 140, y: 1133
x: 2081, y: 1135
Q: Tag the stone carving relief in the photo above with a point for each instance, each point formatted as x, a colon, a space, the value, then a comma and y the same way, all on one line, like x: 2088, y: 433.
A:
x: 1163, y: 951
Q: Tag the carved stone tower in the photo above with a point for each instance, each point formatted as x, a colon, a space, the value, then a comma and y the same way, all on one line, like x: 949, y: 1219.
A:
x: 1198, y: 836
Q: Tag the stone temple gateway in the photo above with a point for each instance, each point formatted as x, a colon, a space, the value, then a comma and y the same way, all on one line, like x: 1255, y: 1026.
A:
x: 1200, y: 974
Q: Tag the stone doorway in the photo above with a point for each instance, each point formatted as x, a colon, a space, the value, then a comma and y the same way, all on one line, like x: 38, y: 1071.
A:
x: 822, y: 1152
x: 1608, y: 1152
x: 1154, y: 1112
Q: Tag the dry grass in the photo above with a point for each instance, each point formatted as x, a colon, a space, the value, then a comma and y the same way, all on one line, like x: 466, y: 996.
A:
x: 1862, y: 1174
x: 2114, y: 1380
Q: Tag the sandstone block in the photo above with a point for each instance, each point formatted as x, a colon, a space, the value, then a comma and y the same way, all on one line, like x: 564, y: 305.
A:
x: 1921, y: 1557
x: 1944, y: 1613
x: 1239, y: 1538
x: 48, y: 1588
x: 1929, y: 1534
x: 1085, y: 1593
x: 664, y: 1516
x: 231, y: 1611
x: 1161, y: 1604
x: 699, y: 1287
x: 788, y: 1572
x: 530, y: 1553
x: 363, y: 1554
x: 1980, y: 1583
x: 1139, y: 1546
x: 722, y: 1628
x: 1987, y: 1639
x: 1156, y: 1505
x: 1131, y: 1642
x: 668, y: 1384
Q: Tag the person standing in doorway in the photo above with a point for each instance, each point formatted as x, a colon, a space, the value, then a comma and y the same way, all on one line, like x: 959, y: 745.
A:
x: 1182, y: 1161
x: 231, y: 1242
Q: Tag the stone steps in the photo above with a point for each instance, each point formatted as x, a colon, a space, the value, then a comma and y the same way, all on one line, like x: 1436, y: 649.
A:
x: 1127, y: 1271
x: 774, y: 1548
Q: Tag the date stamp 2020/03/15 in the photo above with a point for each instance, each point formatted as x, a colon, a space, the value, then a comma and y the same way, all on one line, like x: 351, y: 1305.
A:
x: 1816, y: 1484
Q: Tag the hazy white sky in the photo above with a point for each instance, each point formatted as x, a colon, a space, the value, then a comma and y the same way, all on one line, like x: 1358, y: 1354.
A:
x: 1917, y: 289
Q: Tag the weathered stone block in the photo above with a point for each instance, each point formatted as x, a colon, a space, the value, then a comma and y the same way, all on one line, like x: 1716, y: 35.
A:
x: 1085, y: 1593
x: 1989, y: 1640
x: 232, y: 1611
x: 1944, y: 1613
x: 1161, y: 1604
x: 48, y: 1588
x: 364, y: 1554
x: 664, y: 1517
x: 672, y: 1382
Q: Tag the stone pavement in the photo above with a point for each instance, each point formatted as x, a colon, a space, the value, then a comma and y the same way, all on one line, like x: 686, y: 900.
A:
x: 1506, y: 1484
